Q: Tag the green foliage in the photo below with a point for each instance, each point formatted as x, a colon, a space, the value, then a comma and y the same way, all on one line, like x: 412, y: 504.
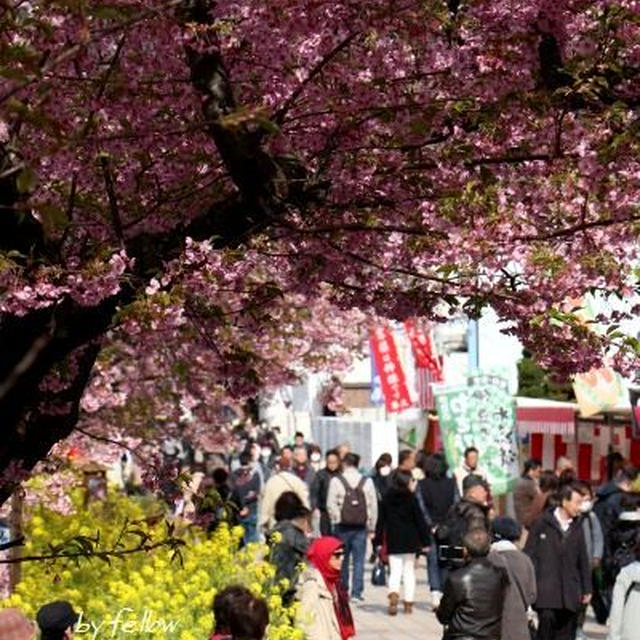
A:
x: 535, y: 382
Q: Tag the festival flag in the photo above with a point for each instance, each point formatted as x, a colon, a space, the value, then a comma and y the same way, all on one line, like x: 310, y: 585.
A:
x: 423, y: 349
x: 392, y: 377
x: 481, y: 414
x: 428, y: 364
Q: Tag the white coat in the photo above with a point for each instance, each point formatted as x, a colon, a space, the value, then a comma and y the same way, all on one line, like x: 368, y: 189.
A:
x: 624, y: 620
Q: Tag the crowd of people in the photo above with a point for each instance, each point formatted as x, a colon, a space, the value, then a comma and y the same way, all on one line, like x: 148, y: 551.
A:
x: 491, y: 577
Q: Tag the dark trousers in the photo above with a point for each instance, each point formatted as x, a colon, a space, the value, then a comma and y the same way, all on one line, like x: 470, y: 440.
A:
x: 354, y: 540
x: 557, y: 624
x: 325, y: 524
x: 436, y: 574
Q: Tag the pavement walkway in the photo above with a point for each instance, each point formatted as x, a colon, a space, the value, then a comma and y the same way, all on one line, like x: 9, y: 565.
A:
x: 373, y: 622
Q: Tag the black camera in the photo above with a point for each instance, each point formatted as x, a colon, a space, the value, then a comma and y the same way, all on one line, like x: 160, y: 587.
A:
x: 449, y: 553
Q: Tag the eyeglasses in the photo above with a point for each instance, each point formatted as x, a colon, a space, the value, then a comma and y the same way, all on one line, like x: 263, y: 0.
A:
x: 338, y: 554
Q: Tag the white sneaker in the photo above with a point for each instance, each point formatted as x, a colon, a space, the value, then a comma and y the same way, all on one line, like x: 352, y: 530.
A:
x: 436, y: 596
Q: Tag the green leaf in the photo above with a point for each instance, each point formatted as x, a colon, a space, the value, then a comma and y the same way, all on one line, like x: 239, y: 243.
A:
x: 27, y: 180
x: 53, y: 218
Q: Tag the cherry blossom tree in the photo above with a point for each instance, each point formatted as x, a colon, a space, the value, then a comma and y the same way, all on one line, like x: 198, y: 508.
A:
x: 171, y: 171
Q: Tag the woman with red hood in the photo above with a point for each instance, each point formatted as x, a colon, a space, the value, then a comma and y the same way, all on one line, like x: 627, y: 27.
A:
x: 324, y: 612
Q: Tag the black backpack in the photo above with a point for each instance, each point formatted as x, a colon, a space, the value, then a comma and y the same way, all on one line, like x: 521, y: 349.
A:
x: 354, y: 507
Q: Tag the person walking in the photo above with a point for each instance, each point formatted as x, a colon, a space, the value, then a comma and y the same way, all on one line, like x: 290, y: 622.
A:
x: 609, y: 507
x: 382, y: 475
x: 401, y: 524
x: 471, y: 512
x: 521, y: 592
x: 320, y: 489
x: 548, y: 484
x: 279, y: 482
x: 624, y: 621
x: 301, y: 466
x: 353, y: 508
x: 563, y: 464
x: 594, y: 539
x: 471, y: 606
x: 289, y: 541
x: 557, y: 548
x: 437, y: 493
x: 469, y: 466
x: 324, y: 612
x: 246, y: 485
x: 407, y: 460
x: 526, y: 491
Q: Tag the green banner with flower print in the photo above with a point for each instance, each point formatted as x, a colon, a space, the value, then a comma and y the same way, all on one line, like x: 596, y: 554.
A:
x: 481, y: 414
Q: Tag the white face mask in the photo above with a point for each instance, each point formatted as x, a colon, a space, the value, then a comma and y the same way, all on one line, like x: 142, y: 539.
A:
x: 586, y: 505
x: 315, y: 457
x: 384, y: 471
x: 265, y: 453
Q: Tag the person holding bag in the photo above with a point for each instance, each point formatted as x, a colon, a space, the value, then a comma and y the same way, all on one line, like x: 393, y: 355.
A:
x: 402, y: 525
x: 521, y: 592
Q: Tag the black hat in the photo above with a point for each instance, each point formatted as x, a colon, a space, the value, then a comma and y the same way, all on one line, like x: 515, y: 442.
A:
x: 56, y: 616
x: 505, y: 528
x: 474, y: 480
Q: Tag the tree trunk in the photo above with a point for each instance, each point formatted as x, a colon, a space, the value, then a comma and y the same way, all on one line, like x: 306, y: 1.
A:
x: 65, y: 339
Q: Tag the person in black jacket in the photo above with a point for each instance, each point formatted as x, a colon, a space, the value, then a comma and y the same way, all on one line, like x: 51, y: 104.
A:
x: 402, y: 525
x: 557, y: 548
x: 438, y: 493
x: 472, y: 512
x: 471, y: 606
x: 320, y: 489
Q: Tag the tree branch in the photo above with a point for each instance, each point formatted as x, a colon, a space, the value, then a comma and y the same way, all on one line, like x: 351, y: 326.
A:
x: 113, y: 200
x: 569, y: 231
x: 317, y: 70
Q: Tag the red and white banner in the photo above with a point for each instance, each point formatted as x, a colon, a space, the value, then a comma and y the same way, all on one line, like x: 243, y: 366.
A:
x: 428, y: 364
x: 423, y: 349
x: 392, y: 378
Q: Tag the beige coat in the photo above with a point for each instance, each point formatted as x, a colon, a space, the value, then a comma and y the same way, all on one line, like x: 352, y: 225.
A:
x: 316, y: 614
x: 275, y: 487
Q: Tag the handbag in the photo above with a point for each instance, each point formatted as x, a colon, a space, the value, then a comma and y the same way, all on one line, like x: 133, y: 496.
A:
x: 533, y: 632
x: 379, y: 573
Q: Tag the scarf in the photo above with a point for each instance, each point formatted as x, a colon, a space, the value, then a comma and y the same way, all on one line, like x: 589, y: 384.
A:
x: 319, y: 555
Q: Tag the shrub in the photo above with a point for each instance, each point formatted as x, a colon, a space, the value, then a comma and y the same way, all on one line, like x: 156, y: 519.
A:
x: 157, y: 595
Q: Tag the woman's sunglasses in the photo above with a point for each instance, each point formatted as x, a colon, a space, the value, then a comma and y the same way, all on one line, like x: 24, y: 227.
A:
x: 338, y: 554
